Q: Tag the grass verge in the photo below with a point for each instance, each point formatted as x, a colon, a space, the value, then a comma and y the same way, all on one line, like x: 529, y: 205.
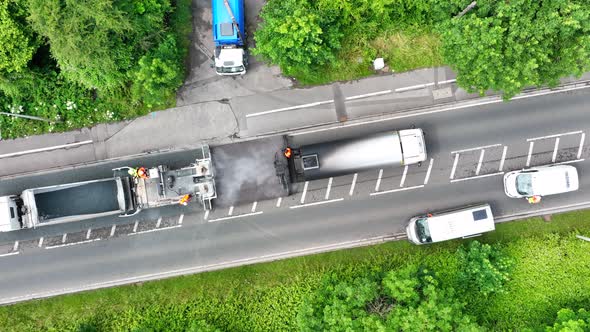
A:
x: 551, y: 272
x: 402, y: 50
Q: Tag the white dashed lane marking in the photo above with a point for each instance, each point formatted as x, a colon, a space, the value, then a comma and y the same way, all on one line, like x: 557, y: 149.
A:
x: 530, y: 154
x: 378, y: 184
x: 353, y: 184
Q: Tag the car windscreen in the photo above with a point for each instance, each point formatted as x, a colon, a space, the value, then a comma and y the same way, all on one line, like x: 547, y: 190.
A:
x: 524, y: 184
x: 422, y: 230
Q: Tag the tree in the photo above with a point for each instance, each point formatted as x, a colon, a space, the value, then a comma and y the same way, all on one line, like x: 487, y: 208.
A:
x: 16, y: 37
x: 484, y: 269
x: 509, y: 45
x: 295, y: 35
x: 571, y: 321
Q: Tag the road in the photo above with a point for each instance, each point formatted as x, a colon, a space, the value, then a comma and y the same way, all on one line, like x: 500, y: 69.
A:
x: 469, y: 149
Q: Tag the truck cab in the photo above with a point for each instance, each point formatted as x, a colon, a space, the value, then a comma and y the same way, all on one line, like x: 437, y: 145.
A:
x: 413, y: 146
x: 10, y: 218
x: 230, y: 61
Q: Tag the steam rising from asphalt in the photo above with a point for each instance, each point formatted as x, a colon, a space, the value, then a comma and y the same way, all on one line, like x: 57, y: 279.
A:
x: 245, y: 172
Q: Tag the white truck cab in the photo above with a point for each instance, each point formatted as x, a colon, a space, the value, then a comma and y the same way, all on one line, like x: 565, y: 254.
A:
x: 9, y: 218
x: 413, y: 146
x: 230, y: 61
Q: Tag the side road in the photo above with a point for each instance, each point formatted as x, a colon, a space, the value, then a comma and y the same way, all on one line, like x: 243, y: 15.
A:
x: 243, y: 118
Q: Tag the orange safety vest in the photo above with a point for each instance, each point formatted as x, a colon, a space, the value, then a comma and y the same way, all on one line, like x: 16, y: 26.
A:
x: 288, y: 153
x: 142, y: 173
x: 184, y: 200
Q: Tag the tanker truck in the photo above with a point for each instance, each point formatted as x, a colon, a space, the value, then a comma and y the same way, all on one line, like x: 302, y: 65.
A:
x: 341, y: 157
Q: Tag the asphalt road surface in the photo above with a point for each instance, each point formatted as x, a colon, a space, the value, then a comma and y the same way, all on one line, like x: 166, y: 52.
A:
x: 469, y: 150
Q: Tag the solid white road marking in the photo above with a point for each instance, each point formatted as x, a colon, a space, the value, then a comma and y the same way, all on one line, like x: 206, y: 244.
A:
x: 328, y: 189
x: 554, y: 157
x: 396, y: 190
x: 231, y: 210
x: 135, y: 226
x: 113, y: 230
x: 372, y: 94
x: 254, y: 207
x: 496, y: 100
x: 428, y: 171
x: 528, y: 158
x: 40, y: 242
x: 64, y: 237
x: 351, y: 191
x: 290, y: 108
x: 503, y: 158
x: 422, y: 86
x: 238, y: 216
x: 10, y: 254
x: 20, y: 153
x: 581, y: 145
x: 159, y: 222
x: 88, y: 233
x: 478, y: 169
x: 554, y: 135
x: 316, y: 203
x: 155, y: 230
x: 477, y: 148
x: 15, y: 247
x: 71, y: 244
x: 401, y: 182
x: 279, y: 200
x: 304, y: 192
x: 180, y: 219
x: 477, y: 177
x: 378, y: 184
x: 570, y: 162
x: 454, y: 166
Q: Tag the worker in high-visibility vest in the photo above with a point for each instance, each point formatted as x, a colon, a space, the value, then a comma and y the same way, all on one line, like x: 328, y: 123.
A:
x: 132, y: 171
x: 142, y: 173
x: 534, y: 199
x: 185, y: 199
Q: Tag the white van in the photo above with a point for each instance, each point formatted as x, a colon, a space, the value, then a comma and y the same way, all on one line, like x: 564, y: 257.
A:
x: 452, y: 224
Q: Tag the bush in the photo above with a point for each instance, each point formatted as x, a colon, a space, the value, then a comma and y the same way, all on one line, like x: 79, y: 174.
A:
x: 158, y: 75
x: 295, y: 35
x: 409, y: 299
x: 484, y: 268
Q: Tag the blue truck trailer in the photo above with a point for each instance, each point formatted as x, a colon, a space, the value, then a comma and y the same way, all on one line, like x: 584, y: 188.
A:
x: 231, y: 57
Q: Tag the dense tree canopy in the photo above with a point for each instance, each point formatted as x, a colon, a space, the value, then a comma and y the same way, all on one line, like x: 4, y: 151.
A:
x: 509, y: 45
x: 77, y: 63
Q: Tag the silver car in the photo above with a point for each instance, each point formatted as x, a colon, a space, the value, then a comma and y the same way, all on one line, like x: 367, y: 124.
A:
x: 541, y: 181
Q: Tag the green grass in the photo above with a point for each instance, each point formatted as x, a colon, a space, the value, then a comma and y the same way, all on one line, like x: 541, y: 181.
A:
x: 551, y: 272
x: 402, y: 50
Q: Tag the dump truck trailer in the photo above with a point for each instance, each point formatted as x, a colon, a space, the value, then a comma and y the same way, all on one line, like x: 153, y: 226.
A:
x: 76, y: 201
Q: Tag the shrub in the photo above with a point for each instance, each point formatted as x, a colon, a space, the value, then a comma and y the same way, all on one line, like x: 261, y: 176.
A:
x: 158, y: 75
x: 483, y: 268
